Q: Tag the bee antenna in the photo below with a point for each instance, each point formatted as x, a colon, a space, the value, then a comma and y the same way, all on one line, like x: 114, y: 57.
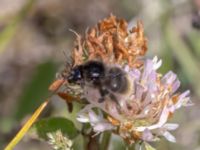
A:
x: 73, y: 31
x: 64, y: 53
x: 67, y: 63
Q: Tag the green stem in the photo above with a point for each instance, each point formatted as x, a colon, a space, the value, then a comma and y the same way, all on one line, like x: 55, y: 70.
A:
x: 7, y: 34
x: 131, y: 147
x: 92, y: 143
x: 105, y: 141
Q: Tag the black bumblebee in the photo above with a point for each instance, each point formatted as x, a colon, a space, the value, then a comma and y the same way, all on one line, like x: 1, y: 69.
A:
x: 109, y: 80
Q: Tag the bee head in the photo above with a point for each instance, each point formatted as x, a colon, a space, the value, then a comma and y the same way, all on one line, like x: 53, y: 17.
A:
x: 90, y: 71
x: 75, y: 75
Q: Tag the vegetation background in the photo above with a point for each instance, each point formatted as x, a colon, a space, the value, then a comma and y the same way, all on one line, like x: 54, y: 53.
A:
x: 35, y: 44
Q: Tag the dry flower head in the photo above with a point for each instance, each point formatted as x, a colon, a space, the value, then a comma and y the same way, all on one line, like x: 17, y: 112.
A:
x: 111, y: 42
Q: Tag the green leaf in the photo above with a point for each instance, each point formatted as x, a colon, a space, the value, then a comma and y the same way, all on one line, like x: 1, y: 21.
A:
x: 36, y: 90
x: 148, y: 146
x: 50, y: 125
x: 117, y: 143
x: 79, y: 142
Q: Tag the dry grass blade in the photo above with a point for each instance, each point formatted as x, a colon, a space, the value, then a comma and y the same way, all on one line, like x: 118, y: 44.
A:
x: 26, y: 126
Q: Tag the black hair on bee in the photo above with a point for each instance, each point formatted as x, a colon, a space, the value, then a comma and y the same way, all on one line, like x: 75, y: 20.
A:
x: 90, y: 71
x: 107, y: 79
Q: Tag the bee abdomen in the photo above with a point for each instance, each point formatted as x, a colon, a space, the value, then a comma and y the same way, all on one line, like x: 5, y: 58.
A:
x: 117, y: 80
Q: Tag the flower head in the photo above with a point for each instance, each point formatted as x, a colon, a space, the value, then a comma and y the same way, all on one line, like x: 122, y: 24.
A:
x: 59, y: 141
x: 111, y: 42
x: 143, y: 112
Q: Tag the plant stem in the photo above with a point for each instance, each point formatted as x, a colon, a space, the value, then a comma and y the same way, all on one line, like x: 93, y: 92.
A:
x: 105, y: 141
x: 7, y: 34
x: 131, y: 147
x: 93, y: 143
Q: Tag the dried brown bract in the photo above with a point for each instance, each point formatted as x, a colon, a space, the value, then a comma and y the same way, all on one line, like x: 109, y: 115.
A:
x: 111, y: 42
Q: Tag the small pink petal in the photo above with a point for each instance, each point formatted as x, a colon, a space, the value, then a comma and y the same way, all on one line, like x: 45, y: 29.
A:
x: 161, y: 122
x: 139, y: 91
x: 169, y: 78
x: 94, y: 118
x: 175, y: 86
x: 148, y: 67
x: 147, y: 135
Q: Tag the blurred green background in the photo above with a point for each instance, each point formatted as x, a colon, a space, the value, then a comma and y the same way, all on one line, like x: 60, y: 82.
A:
x: 35, y: 44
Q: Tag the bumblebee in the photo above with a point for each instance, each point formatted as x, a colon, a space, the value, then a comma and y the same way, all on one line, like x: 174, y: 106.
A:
x: 110, y: 81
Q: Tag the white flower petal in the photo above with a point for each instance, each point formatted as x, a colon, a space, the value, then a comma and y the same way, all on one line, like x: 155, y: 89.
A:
x: 171, y: 126
x: 169, y: 136
x: 83, y: 114
x: 103, y: 126
x: 156, y: 63
x: 126, y: 68
x: 164, y: 116
x: 155, y: 59
x: 83, y: 118
x: 184, y: 100
x: 161, y: 122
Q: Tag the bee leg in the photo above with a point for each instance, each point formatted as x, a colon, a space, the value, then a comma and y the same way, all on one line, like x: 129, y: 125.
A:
x: 114, y: 98
x: 102, y: 99
x: 103, y: 93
